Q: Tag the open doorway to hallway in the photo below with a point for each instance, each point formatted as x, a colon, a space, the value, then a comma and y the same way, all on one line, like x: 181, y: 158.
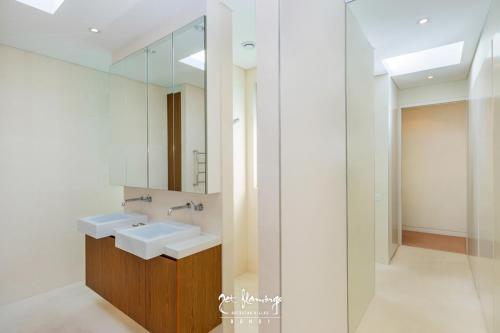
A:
x: 434, y: 176
x: 422, y: 153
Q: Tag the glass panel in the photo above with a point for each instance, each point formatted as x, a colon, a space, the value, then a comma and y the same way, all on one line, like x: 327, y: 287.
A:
x: 160, y: 85
x: 187, y: 168
x: 128, y: 113
x: 360, y: 170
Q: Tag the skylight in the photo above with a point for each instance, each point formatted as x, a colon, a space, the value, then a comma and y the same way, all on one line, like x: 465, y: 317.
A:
x: 196, y: 60
x: 437, y: 57
x: 48, y: 6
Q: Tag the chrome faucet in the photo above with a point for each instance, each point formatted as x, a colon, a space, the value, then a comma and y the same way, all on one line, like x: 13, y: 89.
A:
x: 188, y: 205
x: 147, y: 198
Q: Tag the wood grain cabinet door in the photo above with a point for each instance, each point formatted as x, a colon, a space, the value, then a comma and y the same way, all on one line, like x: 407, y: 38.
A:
x: 93, y: 264
x: 123, y: 280
x: 161, y: 295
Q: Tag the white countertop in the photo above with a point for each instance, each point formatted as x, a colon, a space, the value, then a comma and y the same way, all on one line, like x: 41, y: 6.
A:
x: 187, y: 247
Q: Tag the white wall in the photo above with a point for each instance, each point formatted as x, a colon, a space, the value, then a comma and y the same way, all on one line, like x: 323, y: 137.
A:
x: 313, y: 164
x: 54, y: 143
x: 434, y: 94
x: 434, y: 168
x: 360, y: 111
x: 268, y: 161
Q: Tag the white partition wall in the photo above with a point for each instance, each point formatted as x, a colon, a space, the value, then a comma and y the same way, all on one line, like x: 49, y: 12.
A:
x: 313, y: 166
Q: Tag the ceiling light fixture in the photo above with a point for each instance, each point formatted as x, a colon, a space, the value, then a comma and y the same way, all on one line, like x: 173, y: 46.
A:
x: 248, y: 45
x: 94, y: 30
x: 437, y: 57
x: 48, y: 6
x: 430, y: 77
x: 196, y: 60
x: 423, y: 21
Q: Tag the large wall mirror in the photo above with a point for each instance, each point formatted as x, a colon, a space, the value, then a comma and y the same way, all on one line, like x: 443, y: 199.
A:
x: 158, y: 114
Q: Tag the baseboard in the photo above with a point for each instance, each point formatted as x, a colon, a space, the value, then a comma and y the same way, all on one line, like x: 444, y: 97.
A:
x: 435, y: 231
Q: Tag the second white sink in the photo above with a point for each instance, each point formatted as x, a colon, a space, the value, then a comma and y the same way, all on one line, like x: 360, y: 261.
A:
x: 104, y: 225
x: 148, y: 241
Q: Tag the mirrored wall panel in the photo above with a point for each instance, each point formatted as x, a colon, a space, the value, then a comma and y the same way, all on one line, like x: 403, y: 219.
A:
x: 129, y: 126
x: 160, y: 88
x: 189, y: 125
x: 171, y: 132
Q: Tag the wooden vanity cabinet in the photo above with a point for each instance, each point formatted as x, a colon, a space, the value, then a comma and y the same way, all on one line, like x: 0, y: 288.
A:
x: 162, y: 294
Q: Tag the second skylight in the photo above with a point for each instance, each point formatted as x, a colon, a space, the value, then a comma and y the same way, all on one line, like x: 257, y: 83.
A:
x: 437, y: 57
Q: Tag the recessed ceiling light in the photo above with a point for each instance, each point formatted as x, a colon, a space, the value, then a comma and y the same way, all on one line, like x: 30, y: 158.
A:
x: 248, y: 45
x: 423, y: 21
x: 430, y: 77
x: 196, y: 60
x: 437, y: 57
x: 94, y: 30
x: 48, y: 6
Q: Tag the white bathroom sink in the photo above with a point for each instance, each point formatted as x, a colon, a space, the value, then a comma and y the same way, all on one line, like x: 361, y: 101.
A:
x: 104, y: 225
x: 148, y: 241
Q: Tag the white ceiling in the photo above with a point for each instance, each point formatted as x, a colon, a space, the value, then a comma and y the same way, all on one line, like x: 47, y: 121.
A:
x: 391, y: 26
x: 126, y: 26
x: 65, y: 34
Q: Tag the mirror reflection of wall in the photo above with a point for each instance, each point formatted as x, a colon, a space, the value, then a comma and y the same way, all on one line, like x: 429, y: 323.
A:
x: 158, y: 114
x: 128, y: 111
x: 189, y: 82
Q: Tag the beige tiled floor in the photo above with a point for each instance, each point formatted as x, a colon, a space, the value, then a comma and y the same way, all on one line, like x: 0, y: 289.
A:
x: 77, y: 309
x: 424, y: 291
x: 72, y: 309
x: 247, y: 281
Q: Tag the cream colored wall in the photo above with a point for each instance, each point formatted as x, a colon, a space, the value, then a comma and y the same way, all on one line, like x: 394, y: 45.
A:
x: 395, y: 190
x: 128, y: 100
x: 54, y: 143
x: 387, y: 183
x: 381, y: 104
x: 193, y: 135
x: 434, y: 94
x: 245, y: 193
x: 434, y: 168
x: 251, y: 189
x: 209, y: 219
x: 240, y: 172
x: 496, y: 176
x: 360, y: 170
x: 157, y: 136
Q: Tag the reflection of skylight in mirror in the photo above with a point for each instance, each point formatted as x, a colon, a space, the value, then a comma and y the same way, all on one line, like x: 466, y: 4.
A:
x: 437, y: 57
x: 196, y: 60
x: 48, y: 6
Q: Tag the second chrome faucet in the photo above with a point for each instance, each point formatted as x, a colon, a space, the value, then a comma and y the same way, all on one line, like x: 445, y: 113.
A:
x: 188, y: 205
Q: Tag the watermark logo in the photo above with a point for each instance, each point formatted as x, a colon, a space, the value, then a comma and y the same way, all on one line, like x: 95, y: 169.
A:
x: 247, y: 308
